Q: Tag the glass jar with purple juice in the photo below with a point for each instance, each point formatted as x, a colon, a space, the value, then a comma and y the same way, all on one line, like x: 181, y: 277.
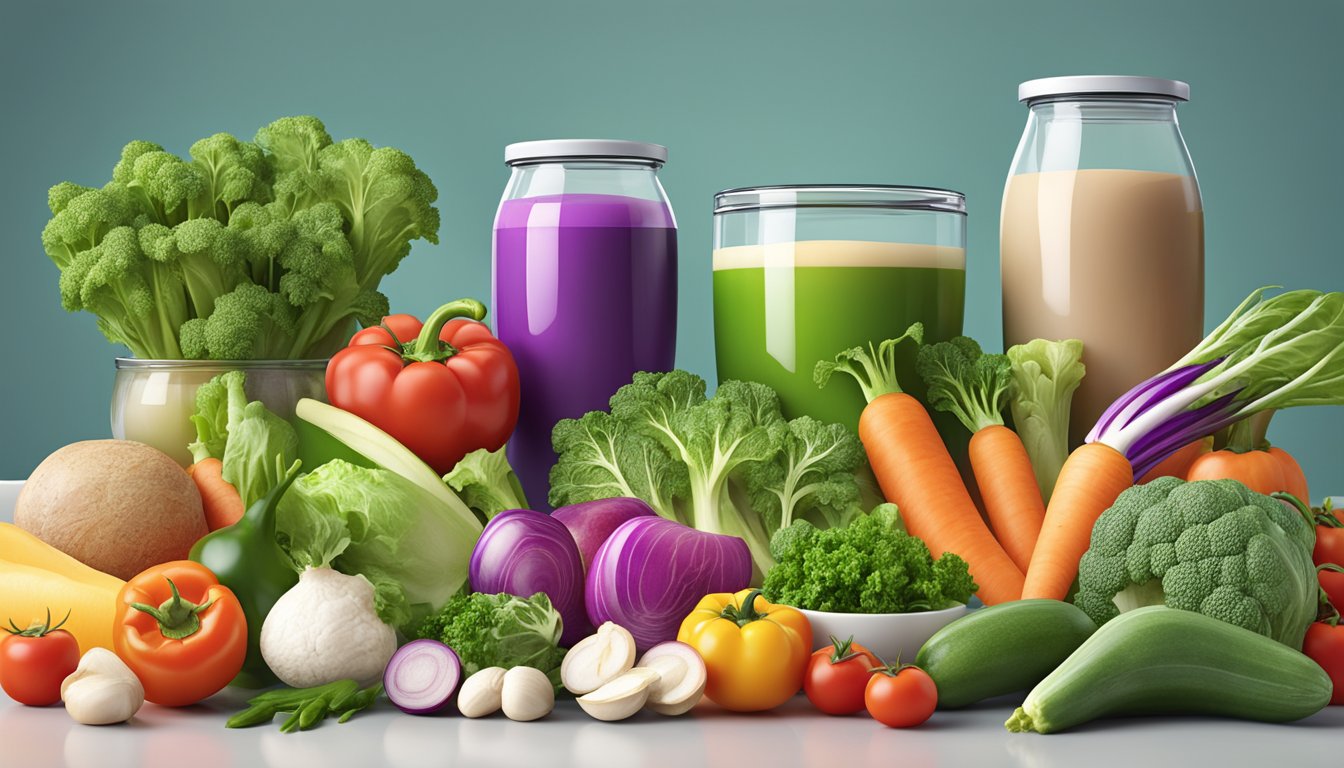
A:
x: 585, y: 283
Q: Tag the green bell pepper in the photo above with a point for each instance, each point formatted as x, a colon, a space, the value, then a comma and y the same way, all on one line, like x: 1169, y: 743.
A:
x: 247, y: 559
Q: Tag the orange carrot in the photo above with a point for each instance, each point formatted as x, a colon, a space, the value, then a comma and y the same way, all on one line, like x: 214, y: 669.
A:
x: 1089, y: 482
x: 975, y: 387
x: 915, y: 471
x: 1012, y: 497
x: 223, y: 506
x: 1178, y: 463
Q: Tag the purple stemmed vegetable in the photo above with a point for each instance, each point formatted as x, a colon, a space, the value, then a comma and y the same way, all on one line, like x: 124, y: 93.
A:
x: 522, y: 552
x: 649, y: 574
x: 1270, y: 353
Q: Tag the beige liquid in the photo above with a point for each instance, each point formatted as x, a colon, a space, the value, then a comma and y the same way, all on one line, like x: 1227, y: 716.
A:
x: 1112, y: 257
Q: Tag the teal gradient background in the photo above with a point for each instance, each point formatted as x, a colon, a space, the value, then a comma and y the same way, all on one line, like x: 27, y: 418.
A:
x: 742, y: 93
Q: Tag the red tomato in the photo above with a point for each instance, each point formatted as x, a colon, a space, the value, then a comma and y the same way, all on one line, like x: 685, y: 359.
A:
x: 1325, y: 645
x: 1329, y: 545
x: 35, y: 661
x: 901, y: 697
x: 1332, y: 582
x: 837, y: 676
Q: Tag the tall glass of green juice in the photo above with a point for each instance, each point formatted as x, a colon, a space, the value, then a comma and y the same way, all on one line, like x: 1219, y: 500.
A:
x: 801, y: 273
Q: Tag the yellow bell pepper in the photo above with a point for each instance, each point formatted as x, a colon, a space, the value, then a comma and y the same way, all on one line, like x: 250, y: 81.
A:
x: 36, y: 577
x: 755, y: 652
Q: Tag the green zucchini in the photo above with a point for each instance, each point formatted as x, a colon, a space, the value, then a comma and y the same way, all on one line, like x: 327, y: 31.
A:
x: 1001, y: 649
x: 1158, y: 660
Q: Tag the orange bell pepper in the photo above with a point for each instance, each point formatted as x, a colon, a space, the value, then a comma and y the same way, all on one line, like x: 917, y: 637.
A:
x: 181, y: 632
x: 755, y: 652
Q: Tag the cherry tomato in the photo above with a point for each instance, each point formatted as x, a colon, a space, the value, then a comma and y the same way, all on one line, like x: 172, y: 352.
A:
x: 1332, y: 581
x: 901, y: 697
x: 1329, y: 537
x: 35, y: 661
x: 1325, y: 645
x: 837, y: 676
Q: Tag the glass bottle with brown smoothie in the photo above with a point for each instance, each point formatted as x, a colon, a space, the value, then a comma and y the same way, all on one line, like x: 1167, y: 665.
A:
x: 1102, y: 232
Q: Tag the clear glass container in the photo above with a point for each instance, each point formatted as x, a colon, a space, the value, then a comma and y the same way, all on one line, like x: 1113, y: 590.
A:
x: 153, y: 400
x: 803, y: 272
x: 585, y: 283
x: 1102, y: 232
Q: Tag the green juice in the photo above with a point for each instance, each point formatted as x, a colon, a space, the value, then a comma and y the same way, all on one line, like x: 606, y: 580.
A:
x: 780, y: 308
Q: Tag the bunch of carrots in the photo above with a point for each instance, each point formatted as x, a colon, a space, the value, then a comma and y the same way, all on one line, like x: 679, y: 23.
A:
x: 916, y: 472
x: 1270, y: 353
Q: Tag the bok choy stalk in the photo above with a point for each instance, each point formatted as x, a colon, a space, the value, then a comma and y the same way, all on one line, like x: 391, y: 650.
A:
x: 1270, y: 353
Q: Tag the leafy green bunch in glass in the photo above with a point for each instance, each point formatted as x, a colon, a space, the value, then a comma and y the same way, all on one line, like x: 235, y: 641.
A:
x: 270, y: 249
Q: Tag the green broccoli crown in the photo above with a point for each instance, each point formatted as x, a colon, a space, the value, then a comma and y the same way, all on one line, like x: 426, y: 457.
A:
x: 248, y: 323
x: 234, y: 172
x: 870, y: 566
x: 1211, y: 546
x: 315, y: 223
x: 82, y: 217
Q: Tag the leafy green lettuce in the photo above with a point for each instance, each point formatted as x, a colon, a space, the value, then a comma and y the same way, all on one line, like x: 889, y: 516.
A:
x: 486, y: 483
x: 245, y: 436
x: 728, y: 464
x: 409, y: 544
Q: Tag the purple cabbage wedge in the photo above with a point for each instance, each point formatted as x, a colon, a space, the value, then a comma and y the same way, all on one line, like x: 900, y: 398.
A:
x: 650, y: 573
x: 522, y: 552
x: 592, y: 522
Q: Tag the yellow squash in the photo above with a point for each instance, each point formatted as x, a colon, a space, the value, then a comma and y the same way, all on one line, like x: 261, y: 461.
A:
x: 755, y: 652
x: 35, y: 577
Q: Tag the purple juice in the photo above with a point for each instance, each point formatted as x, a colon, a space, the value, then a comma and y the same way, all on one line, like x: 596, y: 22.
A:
x: 585, y: 295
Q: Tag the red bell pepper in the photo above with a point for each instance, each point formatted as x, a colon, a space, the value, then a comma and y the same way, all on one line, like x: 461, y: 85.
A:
x: 443, y: 389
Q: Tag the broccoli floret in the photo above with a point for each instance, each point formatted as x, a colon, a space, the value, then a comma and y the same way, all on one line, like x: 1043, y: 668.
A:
x: 211, y: 258
x: 234, y: 172
x: 139, y: 301
x: 159, y: 182
x: 292, y: 144
x: 870, y: 566
x: 249, y: 323
x: 813, y: 474
x: 499, y: 631
x: 1211, y: 546
x: 82, y: 219
x: 385, y: 198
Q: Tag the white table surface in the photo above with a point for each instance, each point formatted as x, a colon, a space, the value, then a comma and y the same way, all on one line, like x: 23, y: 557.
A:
x: 795, y: 734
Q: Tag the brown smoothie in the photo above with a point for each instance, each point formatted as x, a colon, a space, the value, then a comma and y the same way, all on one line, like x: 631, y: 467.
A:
x: 1112, y: 257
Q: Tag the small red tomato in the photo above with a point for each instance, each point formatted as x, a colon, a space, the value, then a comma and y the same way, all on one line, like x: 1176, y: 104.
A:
x: 1329, y: 535
x: 901, y: 697
x: 837, y: 676
x: 1332, y: 581
x: 1325, y: 645
x: 35, y: 661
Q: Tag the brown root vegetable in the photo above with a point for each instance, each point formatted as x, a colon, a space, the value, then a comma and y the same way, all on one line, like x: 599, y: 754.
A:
x: 115, y: 505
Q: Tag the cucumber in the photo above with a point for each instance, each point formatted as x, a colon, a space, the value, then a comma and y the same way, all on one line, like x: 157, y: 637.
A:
x: 1159, y: 660
x: 1001, y: 649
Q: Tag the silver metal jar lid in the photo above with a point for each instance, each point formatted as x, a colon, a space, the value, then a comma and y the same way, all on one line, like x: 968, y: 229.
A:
x: 560, y: 149
x: 1102, y: 85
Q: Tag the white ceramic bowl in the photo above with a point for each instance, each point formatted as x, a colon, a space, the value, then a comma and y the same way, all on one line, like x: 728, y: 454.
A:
x: 891, y: 636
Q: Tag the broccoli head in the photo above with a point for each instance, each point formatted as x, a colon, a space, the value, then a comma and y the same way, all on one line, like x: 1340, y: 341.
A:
x: 1210, y: 546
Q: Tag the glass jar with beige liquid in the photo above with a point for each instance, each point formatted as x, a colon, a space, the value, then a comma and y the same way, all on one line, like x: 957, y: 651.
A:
x: 1102, y: 232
